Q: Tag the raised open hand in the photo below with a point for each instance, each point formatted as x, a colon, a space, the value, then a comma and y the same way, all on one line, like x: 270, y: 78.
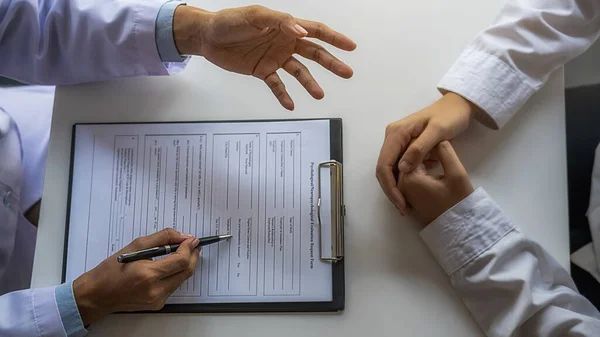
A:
x: 259, y: 41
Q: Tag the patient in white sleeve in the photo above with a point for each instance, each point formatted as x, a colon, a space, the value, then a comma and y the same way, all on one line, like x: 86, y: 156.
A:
x: 508, y: 282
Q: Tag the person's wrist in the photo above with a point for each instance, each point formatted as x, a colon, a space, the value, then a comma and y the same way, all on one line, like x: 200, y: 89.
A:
x: 189, y: 25
x: 467, y: 107
x: 87, y: 297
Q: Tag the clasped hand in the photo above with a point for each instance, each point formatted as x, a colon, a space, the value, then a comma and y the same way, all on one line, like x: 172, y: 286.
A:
x: 431, y: 195
x: 408, y: 141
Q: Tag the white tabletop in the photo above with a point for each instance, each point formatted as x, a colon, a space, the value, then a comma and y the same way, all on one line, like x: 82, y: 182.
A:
x: 393, y: 285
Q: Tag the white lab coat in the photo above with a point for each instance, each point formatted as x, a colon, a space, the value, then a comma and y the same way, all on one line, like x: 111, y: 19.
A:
x: 54, y: 42
x: 30, y: 111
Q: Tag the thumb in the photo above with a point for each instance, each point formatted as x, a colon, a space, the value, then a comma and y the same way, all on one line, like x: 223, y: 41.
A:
x: 416, y: 152
x: 417, y: 179
x: 449, y: 160
x: 263, y: 17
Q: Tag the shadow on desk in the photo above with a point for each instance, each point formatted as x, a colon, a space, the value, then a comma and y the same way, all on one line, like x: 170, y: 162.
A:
x: 583, y: 135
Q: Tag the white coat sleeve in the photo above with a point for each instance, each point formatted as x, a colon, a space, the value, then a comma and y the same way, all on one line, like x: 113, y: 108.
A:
x: 62, y: 42
x: 511, y: 59
x: 510, y: 284
x: 30, y: 313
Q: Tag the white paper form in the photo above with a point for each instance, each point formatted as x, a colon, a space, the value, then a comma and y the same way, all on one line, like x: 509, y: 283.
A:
x: 254, y: 180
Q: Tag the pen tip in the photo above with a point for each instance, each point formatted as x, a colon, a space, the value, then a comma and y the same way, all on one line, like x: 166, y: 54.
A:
x: 228, y: 236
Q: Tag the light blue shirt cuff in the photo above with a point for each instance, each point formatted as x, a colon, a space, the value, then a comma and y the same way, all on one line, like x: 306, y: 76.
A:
x: 69, y: 314
x: 165, y: 42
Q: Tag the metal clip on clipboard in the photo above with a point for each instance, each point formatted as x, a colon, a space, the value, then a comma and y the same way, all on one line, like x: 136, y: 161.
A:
x: 338, y: 211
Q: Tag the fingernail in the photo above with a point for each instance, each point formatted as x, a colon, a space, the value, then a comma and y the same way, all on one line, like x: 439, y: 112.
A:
x: 187, y: 235
x: 404, y: 167
x: 300, y: 30
x: 195, y: 242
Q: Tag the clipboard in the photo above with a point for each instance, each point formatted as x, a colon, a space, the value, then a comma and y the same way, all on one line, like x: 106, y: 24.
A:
x: 333, y: 254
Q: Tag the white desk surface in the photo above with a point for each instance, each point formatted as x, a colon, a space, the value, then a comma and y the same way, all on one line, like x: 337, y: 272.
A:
x: 393, y: 285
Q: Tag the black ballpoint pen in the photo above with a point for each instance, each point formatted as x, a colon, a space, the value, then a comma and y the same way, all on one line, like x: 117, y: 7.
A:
x: 166, y: 249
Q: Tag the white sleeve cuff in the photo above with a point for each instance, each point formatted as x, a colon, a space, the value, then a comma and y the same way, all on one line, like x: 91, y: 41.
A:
x: 489, y: 83
x: 144, y: 31
x: 45, y: 312
x: 466, y: 230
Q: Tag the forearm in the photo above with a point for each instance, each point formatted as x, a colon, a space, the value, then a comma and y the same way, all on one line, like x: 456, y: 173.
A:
x: 510, y: 60
x: 509, y: 283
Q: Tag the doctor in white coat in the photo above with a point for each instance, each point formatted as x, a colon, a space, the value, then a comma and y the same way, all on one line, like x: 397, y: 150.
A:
x: 56, y: 42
